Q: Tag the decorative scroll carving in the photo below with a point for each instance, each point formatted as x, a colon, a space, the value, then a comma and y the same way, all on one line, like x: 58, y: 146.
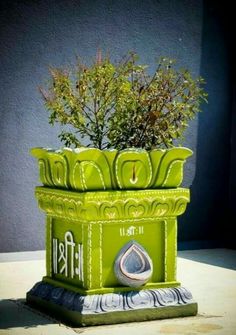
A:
x: 113, y: 205
x: 86, y: 169
x: 112, y: 302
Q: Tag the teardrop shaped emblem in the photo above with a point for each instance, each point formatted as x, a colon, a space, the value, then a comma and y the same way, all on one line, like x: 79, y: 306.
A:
x: 133, y: 266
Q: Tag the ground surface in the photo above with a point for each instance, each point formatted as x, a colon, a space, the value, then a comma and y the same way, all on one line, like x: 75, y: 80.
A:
x: 209, y: 274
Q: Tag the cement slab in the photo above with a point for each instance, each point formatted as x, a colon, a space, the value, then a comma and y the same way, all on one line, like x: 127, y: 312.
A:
x: 208, y: 274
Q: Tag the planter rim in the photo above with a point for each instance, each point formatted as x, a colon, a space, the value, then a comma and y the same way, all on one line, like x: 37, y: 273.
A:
x: 130, y: 149
x: 91, y: 169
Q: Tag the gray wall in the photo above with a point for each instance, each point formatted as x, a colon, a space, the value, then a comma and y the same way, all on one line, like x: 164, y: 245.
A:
x: 207, y: 222
x: 35, y: 34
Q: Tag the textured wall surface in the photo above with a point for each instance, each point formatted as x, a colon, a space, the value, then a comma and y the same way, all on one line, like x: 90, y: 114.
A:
x: 36, y: 34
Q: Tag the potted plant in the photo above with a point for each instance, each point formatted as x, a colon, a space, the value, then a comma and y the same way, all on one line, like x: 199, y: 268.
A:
x: 112, y: 201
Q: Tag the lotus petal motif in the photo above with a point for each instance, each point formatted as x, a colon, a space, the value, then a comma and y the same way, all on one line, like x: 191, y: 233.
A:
x: 87, y: 169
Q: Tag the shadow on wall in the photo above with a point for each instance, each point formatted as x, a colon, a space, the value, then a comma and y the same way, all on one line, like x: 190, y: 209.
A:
x: 205, y: 223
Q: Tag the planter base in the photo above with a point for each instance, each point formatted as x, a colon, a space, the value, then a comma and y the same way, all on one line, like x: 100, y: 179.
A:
x: 78, y: 310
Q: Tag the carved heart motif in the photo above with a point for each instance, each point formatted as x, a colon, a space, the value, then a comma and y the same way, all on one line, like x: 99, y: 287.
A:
x: 160, y: 209
x: 111, y: 212
x: 136, y: 211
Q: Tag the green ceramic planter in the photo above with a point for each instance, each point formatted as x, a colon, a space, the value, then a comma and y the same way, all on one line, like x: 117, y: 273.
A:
x: 111, y: 241
x: 89, y: 169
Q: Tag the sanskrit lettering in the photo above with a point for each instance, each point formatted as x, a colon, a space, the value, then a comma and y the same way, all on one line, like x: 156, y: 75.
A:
x: 67, y: 257
x: 131, y: 231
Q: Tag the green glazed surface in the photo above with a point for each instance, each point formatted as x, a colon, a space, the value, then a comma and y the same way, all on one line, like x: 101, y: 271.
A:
x: 101, y: 223
x: 86, y: 169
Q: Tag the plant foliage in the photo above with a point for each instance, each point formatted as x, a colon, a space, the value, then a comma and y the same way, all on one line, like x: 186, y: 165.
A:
x: 120, y: 105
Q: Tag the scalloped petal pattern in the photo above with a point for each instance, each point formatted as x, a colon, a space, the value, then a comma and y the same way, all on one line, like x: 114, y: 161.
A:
x: 91, y: 169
